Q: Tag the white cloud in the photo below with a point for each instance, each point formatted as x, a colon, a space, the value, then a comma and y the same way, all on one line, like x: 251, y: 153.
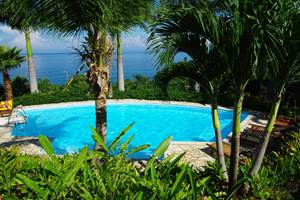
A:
x: 39, y: 42
x: 134, y: 41
x: 42, y: 42
x: 7, y: 29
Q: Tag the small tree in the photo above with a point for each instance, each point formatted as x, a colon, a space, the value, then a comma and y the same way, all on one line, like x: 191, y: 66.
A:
x: 250, y: 39
x: 182, y: 31
x: 9, y: 58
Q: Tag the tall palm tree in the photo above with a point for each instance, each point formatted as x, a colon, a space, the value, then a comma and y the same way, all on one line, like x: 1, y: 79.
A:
x: 121, y: 84
x: 288, y: 73
x: 96, y: 19
x: 182, y: 31
x: 9, y: 58
x: 137, y: 17
x: 9, y: 8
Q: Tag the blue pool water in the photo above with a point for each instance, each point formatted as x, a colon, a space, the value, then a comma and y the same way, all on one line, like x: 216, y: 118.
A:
x: 69, y: 127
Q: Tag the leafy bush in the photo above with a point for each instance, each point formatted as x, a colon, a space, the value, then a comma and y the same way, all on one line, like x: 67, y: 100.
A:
x: 279, y: 177
x: 20, y: 86
x: 96, y: 175
x: 79, y: 90
x: 45, y: 86
x: 140, y: 87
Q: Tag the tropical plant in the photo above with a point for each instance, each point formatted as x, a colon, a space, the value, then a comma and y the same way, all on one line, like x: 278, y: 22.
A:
x: 136, y: 17
x: 25, y: 22
x: 246, y: 53
x: 93, y: 175
x: 288, y: 72
x: 207, y: 74
x: 241, y: 50
x: 9, y: 58
x: 171, y: 35
x: 20, y: 86
x: 97, y: 20
x: 109, y: 174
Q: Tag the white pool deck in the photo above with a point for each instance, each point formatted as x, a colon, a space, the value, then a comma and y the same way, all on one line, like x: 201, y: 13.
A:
x: 197, y: 153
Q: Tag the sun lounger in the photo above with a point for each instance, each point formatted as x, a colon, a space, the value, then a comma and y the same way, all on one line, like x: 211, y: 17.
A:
x: 227, y: 150
x: 253, y: 134
x: 14, y: 116
x: 6, y: 108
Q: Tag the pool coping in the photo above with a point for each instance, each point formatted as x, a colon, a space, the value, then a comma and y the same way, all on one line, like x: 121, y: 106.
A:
x: 121, y: 101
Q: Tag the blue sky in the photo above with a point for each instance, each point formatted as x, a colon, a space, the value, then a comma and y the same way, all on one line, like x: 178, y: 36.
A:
x: 135, y: 40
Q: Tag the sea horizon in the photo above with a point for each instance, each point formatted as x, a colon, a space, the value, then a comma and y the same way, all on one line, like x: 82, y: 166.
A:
x: 59, y: 67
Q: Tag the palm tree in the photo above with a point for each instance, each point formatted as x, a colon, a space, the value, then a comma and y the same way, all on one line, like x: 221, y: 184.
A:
x: 210, y: 80
x: 137, y: 17
x: 241, y: 50
x: 288, y: 73
x: 247, y: 52
x: 9, y: 9
x: 9, y: 58
x: 31, y: 65
x: 183, y: 32
x: 96, y: 19
x: 121, y: 84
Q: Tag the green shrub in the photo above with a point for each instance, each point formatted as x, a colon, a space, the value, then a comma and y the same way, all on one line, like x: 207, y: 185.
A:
x: 20, y: 86
x: 45, y: 86
x: 96, y: 175
x: 279, y: 177
x: 79, y: 90
x: 139, y: 87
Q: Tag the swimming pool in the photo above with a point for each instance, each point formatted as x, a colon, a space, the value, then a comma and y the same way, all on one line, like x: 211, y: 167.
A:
x: 69, y: 127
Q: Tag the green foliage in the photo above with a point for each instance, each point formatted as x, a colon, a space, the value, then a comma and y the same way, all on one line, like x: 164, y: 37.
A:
x: 20, y: 86
x: 96, y: 175
x: 179, y: 89
x: 10, y: 58
x: 138, y: 88
x: 79, y: 90
x: 107, y: 175
x: 280, y: 177
x: 45, y: 86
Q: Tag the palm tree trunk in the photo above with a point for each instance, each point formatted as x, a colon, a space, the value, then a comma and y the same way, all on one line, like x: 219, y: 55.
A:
x: 7, y: 85
x: 101, y: 112
x: 101, y: 118
x: 263, y: 146
x: 235, y: 141
x: 31, y: 67
x: 217, y: 127
x: 102, y: 89
x: 121, y: 86
x: 110, y: 92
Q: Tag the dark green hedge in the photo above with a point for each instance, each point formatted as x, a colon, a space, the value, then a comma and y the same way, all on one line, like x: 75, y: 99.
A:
x: 138, y: 88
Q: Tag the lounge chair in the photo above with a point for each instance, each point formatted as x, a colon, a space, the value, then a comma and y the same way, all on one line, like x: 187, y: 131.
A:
x: 19, y: 116
x: 246, y: 151
x: 254, y: 134
x: 6, y: 108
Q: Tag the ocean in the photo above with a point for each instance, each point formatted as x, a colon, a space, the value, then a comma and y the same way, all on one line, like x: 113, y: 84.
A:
x: 59, y: 67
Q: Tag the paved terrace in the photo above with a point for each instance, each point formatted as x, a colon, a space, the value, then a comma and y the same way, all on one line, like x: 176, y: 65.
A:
x: 197, y: 153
